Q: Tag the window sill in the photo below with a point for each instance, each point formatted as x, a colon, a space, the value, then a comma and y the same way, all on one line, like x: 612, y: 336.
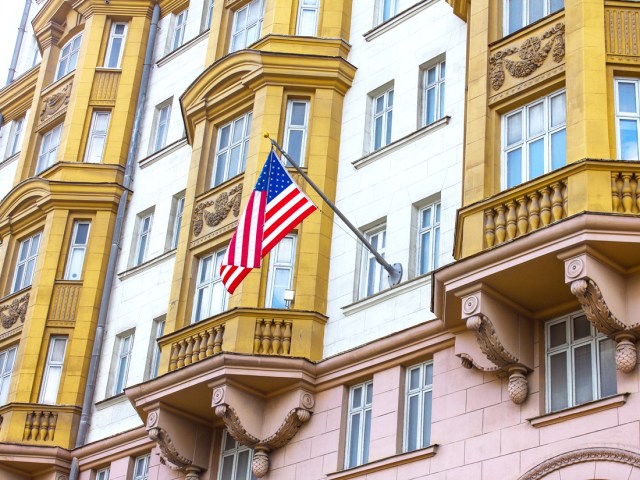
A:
x: 182, y: 48
x: 384, y: 464
x: 10, y: 159
x: 384, y: 295
x: 163, y: 152
x: 146, y: 265
x: 579, y: 411
x: 395, y: 145
x: 397, y: 19
x: 110, y: 401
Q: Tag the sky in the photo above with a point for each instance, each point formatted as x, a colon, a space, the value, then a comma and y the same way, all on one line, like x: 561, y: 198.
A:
x: 9, y: 22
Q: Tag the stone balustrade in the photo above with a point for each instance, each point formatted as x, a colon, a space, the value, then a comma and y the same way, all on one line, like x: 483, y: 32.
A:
x: 273, y: 337
x: 40, y: 425
x: 201, y: 344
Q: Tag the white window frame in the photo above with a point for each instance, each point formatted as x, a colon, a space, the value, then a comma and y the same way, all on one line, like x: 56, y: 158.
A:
x: 15, y: 137
x: 393, y: 9
x: 179, y: 27
x: 624, y: 116
x: 362, y: 450
x: 238, y: 31
x: 308, y: 7
x: 112, y: 37
x: 439, y: 87
x: 27, y: 261
x: 142, y: 239
x: 525, y: 14
x: 208, y: 14
x: 594, y: 340
x: 77, y: 247
x: 49, y: 144
x: 102, y: 474
x: 161, y: 126
x: 7, y: 362
x: 177, y: 221
x: 381, y: 233
x: 71, y: 53
x: 144, y: 460
x: 386, y: 114
x: 223, y: 153
x: 158, y: 331
x: 275, y: 264
x: 235, y: 453
x: 289, y: 127
x: 96, y: 136
x: 433, y: 229
x: 205, y: 285
x: 125, y: 348
x: 525, y: 140
x: 49, y: 367
x: 417, y: 392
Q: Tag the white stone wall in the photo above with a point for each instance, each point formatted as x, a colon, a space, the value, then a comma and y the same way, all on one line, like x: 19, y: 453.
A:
x: 392, y: 185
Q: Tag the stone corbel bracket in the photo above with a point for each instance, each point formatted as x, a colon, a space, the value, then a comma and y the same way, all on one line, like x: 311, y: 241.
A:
x: 498, y: 340
x: 262, y: 448
x: 607, y: 299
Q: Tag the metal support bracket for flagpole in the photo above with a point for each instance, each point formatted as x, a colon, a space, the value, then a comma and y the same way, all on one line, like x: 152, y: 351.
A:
x: 395, y: 270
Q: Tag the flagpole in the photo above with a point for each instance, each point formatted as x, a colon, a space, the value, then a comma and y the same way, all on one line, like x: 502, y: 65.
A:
x: 395, y: 270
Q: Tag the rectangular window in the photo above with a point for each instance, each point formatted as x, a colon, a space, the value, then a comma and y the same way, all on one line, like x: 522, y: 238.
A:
x: 627, y: 118
x: 97, y: 137
x: 115, y: 46
x: 177, y: 221
x: 235, y: 460
x: 417, y: 422
x: 143, y: 239
x: 233, y: 145
x: 295, y: 130
x: 208, y: 15
x: 122, y: 365
x: 281, y: 262
x: 77, y: 251
x: 520, y: 13
x: 102, y: 474
x: 68, y: 56
x: 308, y: 18
x: 178, y: 29
x: 7, y: 359
x: 428, y: 238
x: 433, y: 93
x: 359, y: 424
x: 15, y: 137
x: 534, y: 140
x: 26, y: 264
x: 386, y: 9
x: 211, y: 296
x: 48, y: 148
x: 163, y: 113
x: 580, y: 362
x: 372, y: 271
x: 382, y: 120
x: 141, y: 468
x: 247, y: 25
x: 158, y: 331
x: 53, y: 370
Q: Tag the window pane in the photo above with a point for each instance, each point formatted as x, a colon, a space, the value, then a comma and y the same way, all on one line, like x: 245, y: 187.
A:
x: 227, y: 468
x: 389, y: 122
x: 380, y: 104
x: 556, y: 5
x: 356, y: 398
x: 628, y: 140
x: 536, y: 158
x: 82, y: 231
x: 428, y: 374
x: 298, y: 110
x: 425, y: 252
x: 75, y: 264
x: 436, y: 247
x: 441, y: 112
x: 581, y: 327
x: 243, y: 465
x: 515, y: 15
x: 307, y: 22
x: 627, y: 97
x: 50, y: 389
x: 426, y: 217
x: 387, y: 9
x: 583, y: 374
x: 559, y: 149
x: 558, y: 376
x: 281, y: 282
x: 536, y: 10
x: 116, y: 45
x: 412, y: 427
x: 558, y: 110
x: 229, y: 443
x: 514, y: 129
x: 377, y: 143
x: 234, y: 161
x: 514, y: 168
x: 294, y: 145
x: 608, y: 384
x: 431, y: 105
x: 557, y: 334
x: 426, y: 418
x: 366, y: 435
x: 369, y: 394
x: 536, y: 119
x: 414, y: 379
x: 217, y: 299
x: 354, y: 437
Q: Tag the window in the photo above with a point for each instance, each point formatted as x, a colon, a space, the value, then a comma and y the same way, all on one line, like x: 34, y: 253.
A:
x: 580, y: 363
x: 433, y: 93
x: 281, y: 262
x: 534, y: 140
x: 308, y: 17
x: 77, y: 250
x: 627, y: 118
x: 48, y: 148
x: 386, y: 9
x: 157, y: 332
x: 428, y: 238
x: 144, y: 230
x: 141, y: 468
x: 520, y: 13
x: 115, y: 46
x: 97, y: 137
x: 235, y: 460
x: 7, y: 359
x: 233, y: 144
x: 68, y: 57
x: 211, y: 296
x: 178, y: 29
x: 53, y: 370
x: 417, y: 430
x: 25, y: 267
x: 382, y: 119
x: 359, y: 424
x: 125, y: 344
x: 295, y: 134
x: 178, y: 209
x: 247, y: 23
x: 15, y: 137
x: 208, y: 14
x: 161, y: 125
x: 102, y: 474
x: 372, y: 270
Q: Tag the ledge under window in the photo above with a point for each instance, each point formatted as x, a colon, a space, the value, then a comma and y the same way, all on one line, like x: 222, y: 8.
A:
x: 110, y: 401
x: 384, y: 464
x: 397, y: 19
x: 182, y: 48
x: 579, y: 410
x: 146, y: 265
x: 10, y: 159
x: 163, y: 152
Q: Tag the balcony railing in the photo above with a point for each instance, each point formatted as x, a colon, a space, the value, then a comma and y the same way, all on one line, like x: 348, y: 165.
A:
x: 51, y: 425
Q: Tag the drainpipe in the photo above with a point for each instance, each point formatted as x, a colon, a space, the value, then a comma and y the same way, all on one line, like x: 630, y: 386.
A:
x: 115, y: 245
x: 18, y: 45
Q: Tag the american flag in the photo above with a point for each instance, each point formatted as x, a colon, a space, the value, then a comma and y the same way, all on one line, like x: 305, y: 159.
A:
x: 275, y: 207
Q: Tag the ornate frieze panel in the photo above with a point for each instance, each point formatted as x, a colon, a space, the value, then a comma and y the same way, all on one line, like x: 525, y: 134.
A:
x: 622, y: 30
x: 13, y: 311
x: 211, y: 213
x: 55, y: 103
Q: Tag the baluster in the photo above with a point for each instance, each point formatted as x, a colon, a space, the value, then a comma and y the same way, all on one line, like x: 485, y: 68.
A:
x: 27, y: 426
x: 258, y: 335
x: 277, y: 337
x: 212, y: 335
x: 266, y: 337
x: 286, y: 340
x: 53, y: 420
x: 523, y: 216
x: 545, y: 207
x: 44, y: 426
x: 626, y: 192
x: 565, y: 199
x: 35, y: 428
x: 615, y: 193
x: 556, y: 202
x: 534, y: 211
x: 196, y: 348
x: 182, y: 353
x: 501, y: 223
x: 634, y: 194
x: 203, y: 345
x: 217, y: 343
x: 511, y: 220
x: 173, y: 358
x: 489, y: 228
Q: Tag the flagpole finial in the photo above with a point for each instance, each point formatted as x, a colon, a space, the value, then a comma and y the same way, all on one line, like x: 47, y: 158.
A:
x: 266, y: 135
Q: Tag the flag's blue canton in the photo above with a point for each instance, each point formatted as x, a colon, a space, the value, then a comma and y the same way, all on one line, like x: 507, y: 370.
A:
x: 279, y: 180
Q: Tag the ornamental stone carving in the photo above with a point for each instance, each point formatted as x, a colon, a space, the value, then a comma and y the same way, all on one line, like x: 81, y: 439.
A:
x: 169, y: 454
x: 225, y: 202
x: 54, y: 103
x: 532, y: 52
x: 14, y: 311
x: 489, y: 342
